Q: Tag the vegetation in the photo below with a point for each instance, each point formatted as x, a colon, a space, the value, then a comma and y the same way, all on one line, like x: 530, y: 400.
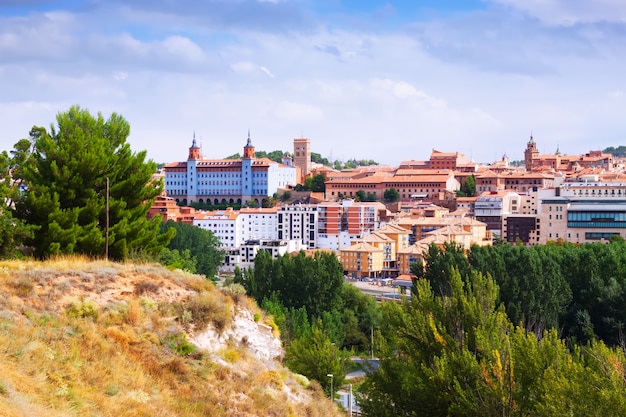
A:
x: 72, y: 343
x: 202, y: 246
x: 322, y: 320
x: 391, y: 195
x: 316, y: 183
x: 67, y: 171
x: 456, y: 353
x: 366, y: 197
x: 13, y: 231
x: 468, y: 188
x: 619, y: 152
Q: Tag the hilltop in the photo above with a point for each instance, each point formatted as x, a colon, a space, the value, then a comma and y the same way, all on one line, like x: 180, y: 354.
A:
x: 82, y: 337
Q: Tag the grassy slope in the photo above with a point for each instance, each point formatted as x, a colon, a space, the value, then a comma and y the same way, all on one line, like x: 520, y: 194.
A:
x: 83, y: 338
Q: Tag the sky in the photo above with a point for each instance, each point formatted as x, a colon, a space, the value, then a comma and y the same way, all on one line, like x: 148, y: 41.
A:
x: 365, y: 79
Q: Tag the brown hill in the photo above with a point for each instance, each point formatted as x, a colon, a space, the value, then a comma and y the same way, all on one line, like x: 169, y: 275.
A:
x: 96, y: 338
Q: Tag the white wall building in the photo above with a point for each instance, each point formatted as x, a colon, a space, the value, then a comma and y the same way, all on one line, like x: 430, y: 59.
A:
x: 259, y: 223
x: 226, y: 225
x: 298, y: 221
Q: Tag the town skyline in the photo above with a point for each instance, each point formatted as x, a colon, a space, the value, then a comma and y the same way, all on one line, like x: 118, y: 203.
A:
x: 387, y: 81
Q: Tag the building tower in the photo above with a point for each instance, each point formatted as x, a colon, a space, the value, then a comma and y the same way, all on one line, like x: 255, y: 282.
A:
x: 530, y: 154
x: 192, y: 163
x: 246, y: 171
x: 194, y: 150
x: 302, y: 155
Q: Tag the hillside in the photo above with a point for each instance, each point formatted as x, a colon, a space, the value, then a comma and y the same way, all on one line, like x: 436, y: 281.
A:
x: 96, y: 338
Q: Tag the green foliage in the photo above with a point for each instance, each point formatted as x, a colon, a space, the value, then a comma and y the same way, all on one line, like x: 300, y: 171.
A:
x: 82, y: 309
x: 297, y: 281
x: 13, y: 231
x: 286, y: 195
x: 175, y: 259
x: 66, y: 175
x: 316, y: 356
x: 179, y: 344
x: 316, y: 183
x: 391, y: 195
x: 468, y: 188
x: 618, y: 152
x: 458, y: 354
x: 194, y: 245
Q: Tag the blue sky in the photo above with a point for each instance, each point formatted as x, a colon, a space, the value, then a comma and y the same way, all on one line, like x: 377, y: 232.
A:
x: 379, y: 80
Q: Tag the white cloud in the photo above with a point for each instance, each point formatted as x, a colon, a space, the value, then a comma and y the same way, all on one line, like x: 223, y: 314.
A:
x: 570, y: 12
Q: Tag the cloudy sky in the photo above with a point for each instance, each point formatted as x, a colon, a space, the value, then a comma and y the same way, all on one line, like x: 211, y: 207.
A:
x: 362, y: 79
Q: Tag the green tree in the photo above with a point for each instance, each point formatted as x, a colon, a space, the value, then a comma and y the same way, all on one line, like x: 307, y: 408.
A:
x: 391, y: 195
x: 469, y: 186
x: 360, y: 196
x: 459, y: 355
x: 318, y: 183
x: 174, y: 259
x: 13, y: 232
x: 67, y: 175
x: 316, y: 357
x: 203, y: 246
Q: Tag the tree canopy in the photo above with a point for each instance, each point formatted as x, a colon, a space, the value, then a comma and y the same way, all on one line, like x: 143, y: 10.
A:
x: 66, y: 176
x: 203, y: 247
x: 457, y: 354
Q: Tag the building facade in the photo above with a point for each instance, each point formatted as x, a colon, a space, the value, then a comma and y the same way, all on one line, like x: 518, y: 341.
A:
x: 298, y: 221
x: 226, y: 181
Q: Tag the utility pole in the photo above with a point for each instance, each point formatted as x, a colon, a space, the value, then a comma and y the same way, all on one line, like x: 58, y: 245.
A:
x: 372, y: 341
x: 331, y: 385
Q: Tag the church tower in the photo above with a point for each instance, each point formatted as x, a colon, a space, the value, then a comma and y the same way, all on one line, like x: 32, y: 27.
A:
x: 247, y: 191
x: 530, y: 154
x: 248, y: 150
x: 194, y: 150
x: 302, y: 155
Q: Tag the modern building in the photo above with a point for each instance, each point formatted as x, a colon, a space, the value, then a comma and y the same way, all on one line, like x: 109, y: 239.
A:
x: 298, y: 221
x: 226, y: 225
x: 341, y: 224
x: 259, y: 223
x: 583, y: 212
x: 226, y: 181
x: 276, y: 248
x: 362, y: 260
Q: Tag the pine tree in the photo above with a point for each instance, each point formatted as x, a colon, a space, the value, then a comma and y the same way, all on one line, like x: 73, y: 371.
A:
x: 72, y: 169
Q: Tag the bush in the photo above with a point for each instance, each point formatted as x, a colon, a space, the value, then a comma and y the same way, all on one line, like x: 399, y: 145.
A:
x: 210, y: 307
x: 179, y: 344
x: 83, y: 309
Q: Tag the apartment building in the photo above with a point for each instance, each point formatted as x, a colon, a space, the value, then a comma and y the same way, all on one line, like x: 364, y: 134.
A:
x: 298, y: 221
x: 340, y: 224
x: 362, y: 260
x: 492, y: 207
x: 226, y: 225
x: 249, y: 249
x: 259, y: 223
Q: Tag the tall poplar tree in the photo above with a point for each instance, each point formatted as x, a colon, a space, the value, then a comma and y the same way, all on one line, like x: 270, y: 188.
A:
x: 66, y: 178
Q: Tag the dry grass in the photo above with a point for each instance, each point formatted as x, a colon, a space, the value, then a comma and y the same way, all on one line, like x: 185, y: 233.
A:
x: 77, y: 339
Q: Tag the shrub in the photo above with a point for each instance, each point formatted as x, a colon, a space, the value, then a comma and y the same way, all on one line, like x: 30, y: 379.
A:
x: 235, y: 291
x: 144, y: 287
x: 83, y: 309
x: 178, y: 343
x: 210, y: 307
x: 22, y: 286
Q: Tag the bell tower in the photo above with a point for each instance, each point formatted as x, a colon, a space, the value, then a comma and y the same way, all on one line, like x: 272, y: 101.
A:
x: 530, y: 154
x: 194, y: 150
x: 248, y: 150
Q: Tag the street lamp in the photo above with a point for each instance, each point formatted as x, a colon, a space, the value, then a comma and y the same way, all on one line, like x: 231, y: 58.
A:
x: 331, y: 384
